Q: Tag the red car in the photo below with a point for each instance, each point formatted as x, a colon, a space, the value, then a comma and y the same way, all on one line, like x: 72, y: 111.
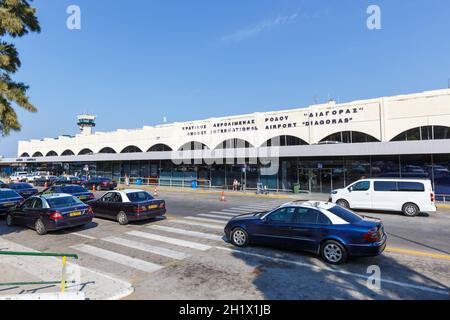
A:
x: 100, y: 184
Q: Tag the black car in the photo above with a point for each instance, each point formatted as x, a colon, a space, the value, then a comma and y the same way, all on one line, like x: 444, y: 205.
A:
x: 9, y: 199
x: 100, y: 184
x: 45, y: 181
x: 26, y: 190
x: 128, y: 205
x: 68, y: 180
x: 50, y: 213
x: 74, y: 190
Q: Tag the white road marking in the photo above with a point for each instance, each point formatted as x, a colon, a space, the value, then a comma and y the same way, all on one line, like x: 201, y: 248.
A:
x: 199, y: 224
x: 119, y: 258
x: 207, y: 220
x: 238, y: 209
x: 258, y: 207
x: 195, y: 234
x: 147, y: 248
x: 177, y: 242
x: 225, y: 213
x: 83, y: 236
x: 213, y: 216
x: 362, y: 276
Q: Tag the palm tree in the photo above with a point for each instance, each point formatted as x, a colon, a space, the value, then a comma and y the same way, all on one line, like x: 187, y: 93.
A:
x: 17, y: 18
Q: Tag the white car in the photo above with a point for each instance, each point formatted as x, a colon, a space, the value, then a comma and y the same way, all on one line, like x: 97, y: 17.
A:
x: 35, y: 176
x: 410, y: 196
x: 20, y: 176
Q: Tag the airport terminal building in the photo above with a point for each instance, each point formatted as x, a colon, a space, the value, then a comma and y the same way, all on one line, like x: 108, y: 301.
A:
x: 321, y: 147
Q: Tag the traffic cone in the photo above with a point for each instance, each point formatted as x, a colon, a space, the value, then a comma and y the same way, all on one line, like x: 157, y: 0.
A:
x: 93, y: 187
x: 155, y: 192
x: 222, y: 198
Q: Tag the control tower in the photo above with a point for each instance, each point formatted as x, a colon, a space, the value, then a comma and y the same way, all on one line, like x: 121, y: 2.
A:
x: 86, y: 123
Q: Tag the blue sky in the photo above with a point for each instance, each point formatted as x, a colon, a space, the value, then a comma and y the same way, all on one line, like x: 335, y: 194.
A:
x: 134, y: 62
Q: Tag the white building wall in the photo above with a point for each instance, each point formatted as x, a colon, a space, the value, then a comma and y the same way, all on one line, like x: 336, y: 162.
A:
x: 382, y: 118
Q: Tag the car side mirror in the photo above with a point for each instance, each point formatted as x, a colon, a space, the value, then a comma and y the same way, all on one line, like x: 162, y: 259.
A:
x: 350, y: 189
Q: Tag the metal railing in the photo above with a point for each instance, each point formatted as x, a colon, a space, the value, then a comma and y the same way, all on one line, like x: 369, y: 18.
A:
x: 187, y: 183
x: 443, y: 197
x: 167, y: 182
x: 63, y: 257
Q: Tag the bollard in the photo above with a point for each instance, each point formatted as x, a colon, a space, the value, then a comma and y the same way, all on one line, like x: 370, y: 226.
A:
x: 63, y: 276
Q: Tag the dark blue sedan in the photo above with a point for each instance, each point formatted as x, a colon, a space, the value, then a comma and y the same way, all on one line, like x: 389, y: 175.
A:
x: 9, y: 199
x: 50, y: 213
x: 331, y: 231
x: 77, y: 191
x: 26, y: 190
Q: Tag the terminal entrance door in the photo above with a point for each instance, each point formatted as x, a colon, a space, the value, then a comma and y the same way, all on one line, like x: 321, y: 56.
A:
x: 316, y: 180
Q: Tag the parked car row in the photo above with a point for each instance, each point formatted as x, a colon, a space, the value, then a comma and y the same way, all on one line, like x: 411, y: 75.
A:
x: 61, y: 207
x: 329, y: 229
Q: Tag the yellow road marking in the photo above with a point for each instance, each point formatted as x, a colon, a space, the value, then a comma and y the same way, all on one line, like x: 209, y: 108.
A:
x: 418, y: 253
x: 443, y: 206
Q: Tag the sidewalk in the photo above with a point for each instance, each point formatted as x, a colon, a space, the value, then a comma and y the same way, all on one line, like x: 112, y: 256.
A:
x: 90, y: 285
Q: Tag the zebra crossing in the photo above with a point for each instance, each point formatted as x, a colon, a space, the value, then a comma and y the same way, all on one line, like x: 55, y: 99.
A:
x: 153, y: 247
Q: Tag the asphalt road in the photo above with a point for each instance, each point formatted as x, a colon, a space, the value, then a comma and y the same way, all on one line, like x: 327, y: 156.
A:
x: 185, y: 257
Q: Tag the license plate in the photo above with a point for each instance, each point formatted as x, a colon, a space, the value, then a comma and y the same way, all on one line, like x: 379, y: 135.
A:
x: 76, y: 214
x: 153, y: 206
x: 83, y: 197
x: 8, y: 204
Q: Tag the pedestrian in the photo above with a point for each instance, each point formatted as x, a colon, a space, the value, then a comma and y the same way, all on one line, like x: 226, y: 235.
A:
x: 127, y: 180
x: 235, y: 185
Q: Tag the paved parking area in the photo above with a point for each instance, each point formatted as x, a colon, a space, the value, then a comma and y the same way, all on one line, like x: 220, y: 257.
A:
x: 185, y: 257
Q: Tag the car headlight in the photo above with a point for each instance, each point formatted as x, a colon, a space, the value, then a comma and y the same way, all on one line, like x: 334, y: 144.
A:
x: 334, y: 192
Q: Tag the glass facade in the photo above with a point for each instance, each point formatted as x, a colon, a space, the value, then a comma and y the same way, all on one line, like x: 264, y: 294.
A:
x: 319, y: 174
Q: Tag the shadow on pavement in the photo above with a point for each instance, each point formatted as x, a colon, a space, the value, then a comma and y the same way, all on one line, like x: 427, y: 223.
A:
x: 309, y: 278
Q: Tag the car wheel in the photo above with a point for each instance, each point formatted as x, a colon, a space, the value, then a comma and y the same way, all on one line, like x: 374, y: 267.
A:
x: 334, y: 253
x: 343, y: 203
x: 40, y: 228
x: 410, y: 210
x: 9, y: 220
x: 122, y: 218
x: 239, y: 237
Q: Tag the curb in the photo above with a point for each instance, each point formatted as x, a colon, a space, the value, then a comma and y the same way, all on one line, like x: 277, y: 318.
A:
x: 443, y: 206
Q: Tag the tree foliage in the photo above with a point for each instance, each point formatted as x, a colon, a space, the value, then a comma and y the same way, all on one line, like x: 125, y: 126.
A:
x: 17, y: 18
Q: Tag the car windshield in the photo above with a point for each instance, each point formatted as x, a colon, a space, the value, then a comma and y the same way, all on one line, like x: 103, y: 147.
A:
x: 17, y: 186
x: 139, y: 196
x: 8, y: 195
x: 345, y: 214
x: 72, y: 189
x: 62, y: 202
